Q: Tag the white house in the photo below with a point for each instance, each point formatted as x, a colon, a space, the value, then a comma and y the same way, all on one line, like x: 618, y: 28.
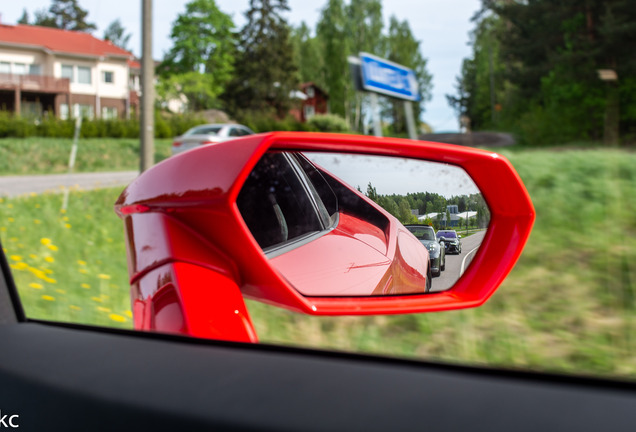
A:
x: 65, y: 72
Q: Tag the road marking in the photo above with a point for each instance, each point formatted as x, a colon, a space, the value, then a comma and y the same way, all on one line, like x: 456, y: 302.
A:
x: 463, y: 267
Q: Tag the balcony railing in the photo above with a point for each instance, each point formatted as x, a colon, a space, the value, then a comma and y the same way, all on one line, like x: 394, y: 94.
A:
x: 34, y: 83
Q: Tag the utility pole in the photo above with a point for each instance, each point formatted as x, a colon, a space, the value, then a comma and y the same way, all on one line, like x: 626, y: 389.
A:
x: 147, y: 132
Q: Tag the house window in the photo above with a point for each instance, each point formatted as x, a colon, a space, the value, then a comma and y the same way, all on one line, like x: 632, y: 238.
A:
x: 83, y: 75
x: 109, y: 113
x: 86, y: 111
x: 309, y: 111
x: 19, y: 68
x: 64, y: 111
x: 67, y: 72
x: 108, y: 77
x: 5, y: 67
x: 310, y: 92
x: 35, y: 69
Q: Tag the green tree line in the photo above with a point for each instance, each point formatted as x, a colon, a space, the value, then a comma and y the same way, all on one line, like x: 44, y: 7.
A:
x: 424, y: 203
x: 537, y: 69
x: 251, y: 72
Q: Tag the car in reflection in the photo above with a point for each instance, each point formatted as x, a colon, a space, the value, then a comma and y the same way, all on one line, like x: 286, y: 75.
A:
x: 208, y: 134
x: 426, y: 235
x: 452, y: 241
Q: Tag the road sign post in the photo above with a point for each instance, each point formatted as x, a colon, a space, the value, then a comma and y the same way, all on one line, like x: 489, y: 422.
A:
x: 381, y: 76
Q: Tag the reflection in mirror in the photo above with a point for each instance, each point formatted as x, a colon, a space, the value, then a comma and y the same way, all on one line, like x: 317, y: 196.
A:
x: 357, y: 225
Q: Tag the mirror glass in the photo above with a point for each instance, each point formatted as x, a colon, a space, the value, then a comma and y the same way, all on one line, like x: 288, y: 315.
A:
x: 337, y: 224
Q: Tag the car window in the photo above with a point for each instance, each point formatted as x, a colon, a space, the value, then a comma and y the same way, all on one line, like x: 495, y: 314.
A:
x: 234, y: 132
x: 551, y: 88
x: 276, y: 203
x: 204, y: 130
x: 422, y: 233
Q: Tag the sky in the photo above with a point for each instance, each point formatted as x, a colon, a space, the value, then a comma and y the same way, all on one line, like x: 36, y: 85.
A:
x: 441, y: 26
x: 394, y: 175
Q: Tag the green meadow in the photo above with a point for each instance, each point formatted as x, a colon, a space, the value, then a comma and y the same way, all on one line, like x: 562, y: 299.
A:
x: 37, y: 155
x: 569, y: 305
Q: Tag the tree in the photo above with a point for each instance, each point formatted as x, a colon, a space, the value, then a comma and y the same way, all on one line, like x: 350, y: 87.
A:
x: 66, y: 15
x: 372, y: 193
x: 116, y: 33
x: 534, y: 69
x: 265, y: 69
x: 24, y: 19
x: 404, y: 49
x: 364, y: 31
x: 332, y: 32
x: 200, y: 62
x: 307, y: 55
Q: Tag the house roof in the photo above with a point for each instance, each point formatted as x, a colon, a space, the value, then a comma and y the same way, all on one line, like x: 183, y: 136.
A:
x: 60, y: 41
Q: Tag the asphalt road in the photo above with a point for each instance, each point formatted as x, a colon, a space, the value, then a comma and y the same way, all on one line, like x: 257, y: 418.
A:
x: 456, y: 264
x: 11, y: 186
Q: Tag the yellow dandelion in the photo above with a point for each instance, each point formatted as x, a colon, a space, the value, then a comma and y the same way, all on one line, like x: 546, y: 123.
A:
x: 37, y: 221
x: 48, y: 271
x: 37, y: 206
x: 19, y: 266
x: 10, y: 219
x: 52, y: 247
x: 9, y: 205
x: 60, y: 291
x: 128, y: 313
x: 85, y: 286
x: 117, y: 318
x: 82, y: 263
x: 49, y: 280
x: 97, y: 299
x: 38, y: 273
x: 75, y: 308
x: 45, y: 241
x: 35, y: 285
x: 103, y: 309
x: 67, y: 225
x: 49, y: 259
x: 65, y: 218
x: 3, y: 229
x: 48, y: 298
x: 16, y: 257
x: 33, y: 256
x: 33, y: 194
x: 13, y: 239
x: 62, y: 211
x: 103, y: 276
x: 83, y: 271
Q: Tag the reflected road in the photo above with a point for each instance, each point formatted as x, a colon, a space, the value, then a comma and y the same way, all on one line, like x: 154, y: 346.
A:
x: 456, y: 263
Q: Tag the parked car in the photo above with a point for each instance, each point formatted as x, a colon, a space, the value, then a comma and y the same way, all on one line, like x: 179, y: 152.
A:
x: 426, y: 235
x: 452, y: 241
x: 208, y: 134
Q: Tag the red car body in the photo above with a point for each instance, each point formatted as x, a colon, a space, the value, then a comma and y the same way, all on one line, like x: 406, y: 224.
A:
x: 192, y: 258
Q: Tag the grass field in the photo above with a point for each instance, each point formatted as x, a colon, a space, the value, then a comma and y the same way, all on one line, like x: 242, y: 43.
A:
x: 569, y: 304
x: 51, y: 155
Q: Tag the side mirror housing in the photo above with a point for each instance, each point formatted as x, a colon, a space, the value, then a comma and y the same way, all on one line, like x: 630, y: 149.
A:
x: 192, y: 258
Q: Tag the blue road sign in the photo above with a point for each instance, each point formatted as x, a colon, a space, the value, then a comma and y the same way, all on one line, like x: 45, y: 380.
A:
x: 384, y: 76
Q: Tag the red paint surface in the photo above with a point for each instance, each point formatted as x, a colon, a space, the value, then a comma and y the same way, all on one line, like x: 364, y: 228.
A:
x: 190, y: 217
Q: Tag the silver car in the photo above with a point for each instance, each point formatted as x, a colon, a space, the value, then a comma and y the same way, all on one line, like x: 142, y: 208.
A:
x: 208, y: 134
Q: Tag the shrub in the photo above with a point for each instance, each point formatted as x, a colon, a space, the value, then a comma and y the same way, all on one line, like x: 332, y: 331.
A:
x: 328, y: 123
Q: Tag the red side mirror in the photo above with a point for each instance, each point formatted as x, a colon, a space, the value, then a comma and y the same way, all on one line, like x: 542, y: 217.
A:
x: 192, y: 256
